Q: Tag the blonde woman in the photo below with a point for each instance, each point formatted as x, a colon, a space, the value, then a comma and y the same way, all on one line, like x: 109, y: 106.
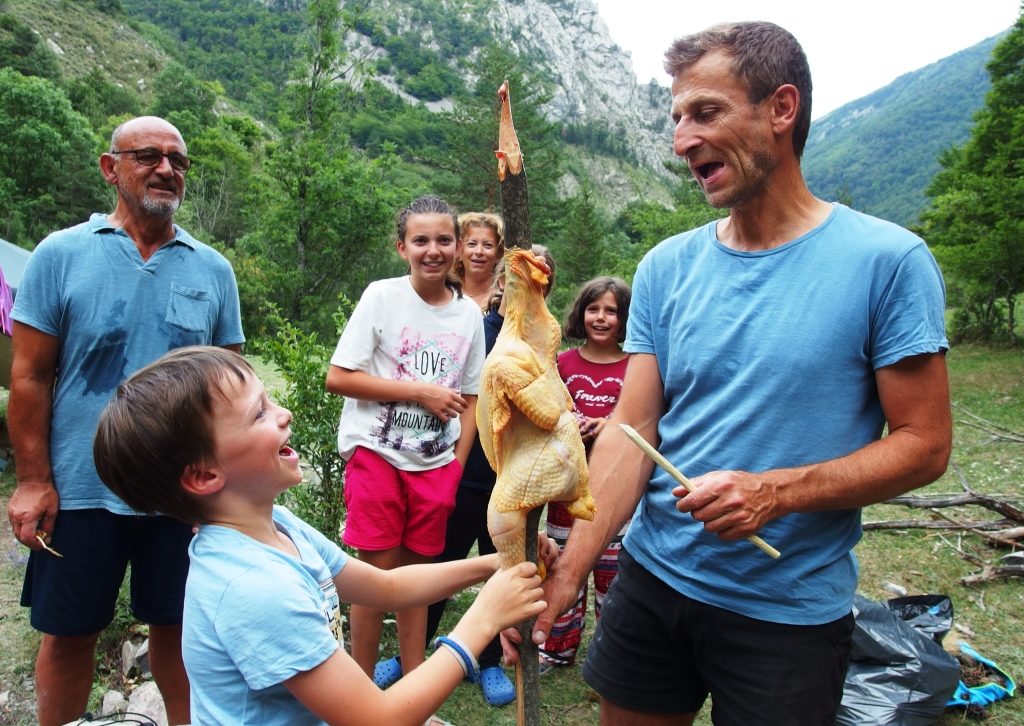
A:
x: 483, y: 247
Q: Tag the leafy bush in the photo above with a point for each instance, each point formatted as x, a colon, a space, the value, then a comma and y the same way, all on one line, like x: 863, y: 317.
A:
x: 48, y: 176
x: 111, y: 7
x: 433, y: 82
x: 302, y: 360
x: 244, y: 45
x: 98, y: 98
x: 22, y: 50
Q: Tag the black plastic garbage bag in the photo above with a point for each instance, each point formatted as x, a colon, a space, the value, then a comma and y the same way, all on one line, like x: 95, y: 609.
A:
x: 928, y: 614
x: 898, y: 675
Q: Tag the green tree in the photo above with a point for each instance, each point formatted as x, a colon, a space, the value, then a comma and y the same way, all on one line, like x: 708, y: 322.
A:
x: 222, y: 182
x: 433, y: 82
x: 48, y: 173
x: 975, y: 223
x: 325, y: 214
x: 466, y: 156
x: 247, y: 46
x: 302, y: 359
x: 580, y: 252
x: 97, y: 98
x: 185, y: 100
x: 21, y: 49
x: 646, y: 223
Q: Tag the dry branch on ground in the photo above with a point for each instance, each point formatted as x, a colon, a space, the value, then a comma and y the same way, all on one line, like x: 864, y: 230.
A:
x: 1005, y: 532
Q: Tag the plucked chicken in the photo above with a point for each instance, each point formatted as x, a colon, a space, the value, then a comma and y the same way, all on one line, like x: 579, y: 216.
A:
x: 524, y: 415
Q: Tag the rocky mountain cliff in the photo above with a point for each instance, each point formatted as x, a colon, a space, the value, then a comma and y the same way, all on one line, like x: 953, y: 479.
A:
x: 877, y: 153
x: 568, y: 43
x: 594, y: 78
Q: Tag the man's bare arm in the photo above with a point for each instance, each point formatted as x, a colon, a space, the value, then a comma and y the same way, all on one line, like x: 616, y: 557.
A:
x: 34, y: 503
x: 914, y: 395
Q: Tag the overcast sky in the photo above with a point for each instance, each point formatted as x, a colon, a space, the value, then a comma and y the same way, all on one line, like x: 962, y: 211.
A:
x: 854, y: 47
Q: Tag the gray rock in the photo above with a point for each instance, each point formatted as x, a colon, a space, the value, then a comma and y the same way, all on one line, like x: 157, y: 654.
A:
x: 114, y: 702
x: 128, y: 651
x: 593, y: 78
x: 146, y: 700
x: 135, y: 658
x: 142, y: 659
x: 894, y: 589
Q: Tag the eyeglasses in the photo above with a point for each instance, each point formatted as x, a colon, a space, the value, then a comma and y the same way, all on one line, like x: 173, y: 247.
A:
x: 152, y: 157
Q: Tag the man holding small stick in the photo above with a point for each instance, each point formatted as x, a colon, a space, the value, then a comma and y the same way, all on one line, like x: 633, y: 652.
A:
x: 99, y: 301
x: 769, y: 350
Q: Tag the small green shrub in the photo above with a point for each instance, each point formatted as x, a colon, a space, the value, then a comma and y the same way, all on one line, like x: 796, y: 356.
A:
x: 302, y: 360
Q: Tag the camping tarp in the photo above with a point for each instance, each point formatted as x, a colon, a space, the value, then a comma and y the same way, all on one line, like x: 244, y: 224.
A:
x: 12, y: 262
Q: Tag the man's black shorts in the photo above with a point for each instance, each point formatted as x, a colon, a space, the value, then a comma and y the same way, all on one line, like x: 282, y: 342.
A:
x: 76, y: 594
x: 658, y: 651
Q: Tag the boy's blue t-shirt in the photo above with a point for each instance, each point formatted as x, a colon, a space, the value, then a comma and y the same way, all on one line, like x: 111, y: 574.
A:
x: 768, y: 360
x: 255, y: 617
x: 114, y: 313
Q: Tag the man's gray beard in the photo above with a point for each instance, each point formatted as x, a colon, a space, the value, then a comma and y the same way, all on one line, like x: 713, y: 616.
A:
x: 159, y: 209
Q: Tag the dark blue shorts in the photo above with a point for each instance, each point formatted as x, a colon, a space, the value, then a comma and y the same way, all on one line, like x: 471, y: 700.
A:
x: 658, y: 651
x: 76, y: 594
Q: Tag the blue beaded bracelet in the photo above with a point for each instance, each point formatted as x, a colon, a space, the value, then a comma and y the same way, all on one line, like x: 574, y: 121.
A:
x: 469, y: 664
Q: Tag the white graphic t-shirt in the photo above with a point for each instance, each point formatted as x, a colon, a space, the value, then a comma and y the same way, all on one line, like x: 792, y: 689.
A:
x: 394, y: 334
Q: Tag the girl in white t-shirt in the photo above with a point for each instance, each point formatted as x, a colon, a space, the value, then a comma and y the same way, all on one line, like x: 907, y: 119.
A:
x: 408, y: 364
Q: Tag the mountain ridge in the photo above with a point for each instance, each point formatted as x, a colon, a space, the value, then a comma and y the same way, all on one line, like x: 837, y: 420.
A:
x: 877, y: 153
x: 901, y: 128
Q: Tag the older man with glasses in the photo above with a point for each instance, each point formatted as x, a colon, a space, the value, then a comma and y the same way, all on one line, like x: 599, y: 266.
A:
x: 99, y: 301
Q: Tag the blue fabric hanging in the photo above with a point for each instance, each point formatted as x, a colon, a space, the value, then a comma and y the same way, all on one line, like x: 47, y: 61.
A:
x: 985, y: 694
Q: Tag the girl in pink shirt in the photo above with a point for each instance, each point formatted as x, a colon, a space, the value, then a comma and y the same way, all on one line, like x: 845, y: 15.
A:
x: 593, y: 373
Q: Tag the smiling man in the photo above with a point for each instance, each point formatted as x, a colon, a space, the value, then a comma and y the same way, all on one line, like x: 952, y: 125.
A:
x: 99, y: 301
x: 769, y: 351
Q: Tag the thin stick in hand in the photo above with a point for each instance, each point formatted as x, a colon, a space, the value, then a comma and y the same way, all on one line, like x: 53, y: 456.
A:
x: 42, y: 536
x: 678, y: 476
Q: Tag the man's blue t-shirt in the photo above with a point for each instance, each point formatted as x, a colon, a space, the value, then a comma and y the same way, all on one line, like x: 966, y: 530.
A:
x: 254, y: 618
x: 115, y: 313
x: 768, y: 360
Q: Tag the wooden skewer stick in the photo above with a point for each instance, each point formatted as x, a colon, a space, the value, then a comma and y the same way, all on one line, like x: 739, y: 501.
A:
x: 678, y: 476
x: 515, y: 210
x: 41, y: 536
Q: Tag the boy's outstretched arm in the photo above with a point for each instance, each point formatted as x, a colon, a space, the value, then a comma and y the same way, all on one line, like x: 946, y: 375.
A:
x: 416, y: 585
x: 411, y: 585
x: 339, y: 692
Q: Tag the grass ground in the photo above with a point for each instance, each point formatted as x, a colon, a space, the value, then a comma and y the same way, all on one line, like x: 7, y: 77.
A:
x: 987, y: 382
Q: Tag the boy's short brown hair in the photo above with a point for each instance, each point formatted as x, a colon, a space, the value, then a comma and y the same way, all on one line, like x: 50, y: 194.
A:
x: 158, y: 424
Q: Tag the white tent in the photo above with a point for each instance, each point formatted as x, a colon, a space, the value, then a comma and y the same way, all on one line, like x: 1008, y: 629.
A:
x: 12, y: 261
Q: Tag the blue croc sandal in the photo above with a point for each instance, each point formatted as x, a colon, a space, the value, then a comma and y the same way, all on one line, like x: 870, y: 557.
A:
x: 387, y: 672
x: 498, y: 689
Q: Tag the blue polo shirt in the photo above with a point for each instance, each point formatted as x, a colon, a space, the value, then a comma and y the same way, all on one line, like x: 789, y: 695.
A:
x: 114, y: 313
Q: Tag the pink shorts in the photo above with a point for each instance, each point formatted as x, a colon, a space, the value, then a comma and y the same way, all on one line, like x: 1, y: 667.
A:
x: 388, y: 507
